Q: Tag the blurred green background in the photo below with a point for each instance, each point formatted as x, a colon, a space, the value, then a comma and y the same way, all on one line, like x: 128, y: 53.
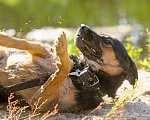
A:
x: 41, y: 19
x: 29, y: 14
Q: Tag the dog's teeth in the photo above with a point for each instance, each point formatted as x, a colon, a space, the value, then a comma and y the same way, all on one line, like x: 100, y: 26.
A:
x: 93, y: 50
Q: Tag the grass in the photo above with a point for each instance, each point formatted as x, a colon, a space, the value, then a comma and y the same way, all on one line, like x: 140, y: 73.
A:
x: 18, y: 113
x: 72, y: 49
x: 117, y: 111
x: 135, y: 54
x: 119, y: 108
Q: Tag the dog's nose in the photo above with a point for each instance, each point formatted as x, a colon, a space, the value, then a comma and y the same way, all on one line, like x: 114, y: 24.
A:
x: 84, y: 27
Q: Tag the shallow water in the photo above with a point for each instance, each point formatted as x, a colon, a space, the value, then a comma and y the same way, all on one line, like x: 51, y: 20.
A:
x: 25, y: 15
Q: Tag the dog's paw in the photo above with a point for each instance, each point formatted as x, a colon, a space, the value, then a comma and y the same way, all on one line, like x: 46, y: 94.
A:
x: 61, y: 43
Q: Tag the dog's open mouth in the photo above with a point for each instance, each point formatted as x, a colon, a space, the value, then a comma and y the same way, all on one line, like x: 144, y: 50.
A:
x: 88, y: 48
x: 87, y: 41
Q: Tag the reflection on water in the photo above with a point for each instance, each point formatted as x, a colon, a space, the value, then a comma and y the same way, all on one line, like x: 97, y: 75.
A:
x: 28, y: 18
x: 30, y: 14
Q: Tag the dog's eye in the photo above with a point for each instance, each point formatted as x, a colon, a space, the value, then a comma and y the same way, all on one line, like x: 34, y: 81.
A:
x: 107, y: 41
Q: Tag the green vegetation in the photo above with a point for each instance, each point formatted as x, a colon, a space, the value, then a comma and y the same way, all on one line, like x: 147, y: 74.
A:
x: 135, y: 54
x: 72, y: 49
x: 14, y: 112
x: 25, y: 15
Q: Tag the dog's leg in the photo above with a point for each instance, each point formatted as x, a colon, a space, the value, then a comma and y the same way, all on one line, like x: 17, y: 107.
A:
x: 36, y: 49
x: 49, y: 91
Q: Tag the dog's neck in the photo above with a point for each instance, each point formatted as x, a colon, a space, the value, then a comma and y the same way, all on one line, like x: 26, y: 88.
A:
x: 108, y: 83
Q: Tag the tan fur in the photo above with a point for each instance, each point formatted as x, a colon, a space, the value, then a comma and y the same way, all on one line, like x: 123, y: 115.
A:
x: 37, y: 62
x: 27, y: 67
x: 3, y: 56
x: 106, y: 34
x: 49, y: 91
x: 108, y: 62
x: 33, y: 48
x: 67, y: 93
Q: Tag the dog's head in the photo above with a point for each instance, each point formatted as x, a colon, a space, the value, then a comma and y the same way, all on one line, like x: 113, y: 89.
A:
x: 105, y: 53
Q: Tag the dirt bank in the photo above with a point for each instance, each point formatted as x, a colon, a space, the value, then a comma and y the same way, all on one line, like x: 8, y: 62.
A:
x: 137, y: 105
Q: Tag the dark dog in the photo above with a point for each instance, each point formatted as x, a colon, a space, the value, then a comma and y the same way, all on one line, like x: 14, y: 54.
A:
x: 105, y: 66
x: 108, y: 66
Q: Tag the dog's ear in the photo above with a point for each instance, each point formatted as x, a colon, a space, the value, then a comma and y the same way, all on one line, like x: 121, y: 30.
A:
x: 125, y: 61
x: 132, y: 74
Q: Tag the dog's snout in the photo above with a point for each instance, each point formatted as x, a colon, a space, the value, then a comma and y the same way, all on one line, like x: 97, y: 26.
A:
x: 84, y: 27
